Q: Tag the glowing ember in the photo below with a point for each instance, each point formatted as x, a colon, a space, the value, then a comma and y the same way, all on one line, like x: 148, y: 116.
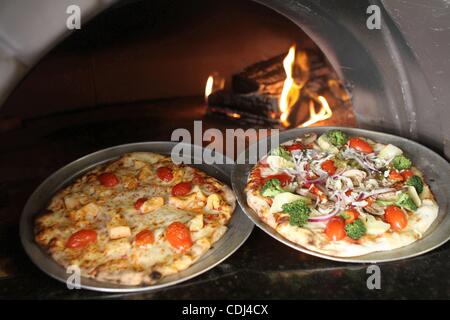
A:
x: 324, y: 112
x: 209, y: 87
x: 234, y: 115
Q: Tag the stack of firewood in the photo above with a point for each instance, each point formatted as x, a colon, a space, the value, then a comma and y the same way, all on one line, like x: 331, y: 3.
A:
x: 255, y: 92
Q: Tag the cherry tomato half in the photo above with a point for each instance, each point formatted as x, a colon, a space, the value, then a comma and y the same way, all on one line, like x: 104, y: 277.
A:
x: 406, y: 174
x: 179, y: 236
x: 352, y: 215
x: 335, y: 229
x: 144, y: 237
x: 108, y: 179
x: 295, y: 146
x: 396, y: 217
x: 164, y: 173
x: 181, y: 189
x: 81, y: 238
x: 360, y: 145
x: 139, y: 202
x: 329, y: 167
x: 394, y: 175
x: 284, y: 178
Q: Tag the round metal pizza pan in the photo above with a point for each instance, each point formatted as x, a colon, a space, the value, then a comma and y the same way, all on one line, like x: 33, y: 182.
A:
x: 437, y: 174
x: 239, y: 227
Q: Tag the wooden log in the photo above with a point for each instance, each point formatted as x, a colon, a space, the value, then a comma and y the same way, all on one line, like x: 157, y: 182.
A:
x: 257, y: 89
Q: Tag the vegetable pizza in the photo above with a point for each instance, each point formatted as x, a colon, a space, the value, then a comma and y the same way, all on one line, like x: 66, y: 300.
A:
x: 341, y: 195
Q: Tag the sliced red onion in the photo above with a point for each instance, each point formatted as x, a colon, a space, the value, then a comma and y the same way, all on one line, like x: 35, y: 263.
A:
x: 365, y: 195
x: 319, y: 179
x: 335, y: 211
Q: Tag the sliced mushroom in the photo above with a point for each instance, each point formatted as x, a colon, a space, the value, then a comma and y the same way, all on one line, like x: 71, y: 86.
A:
x: 375, y: 209
x: 307, y: 138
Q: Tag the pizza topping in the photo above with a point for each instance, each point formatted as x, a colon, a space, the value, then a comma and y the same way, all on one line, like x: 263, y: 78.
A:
x: 401, y: 162
x: 412, y: 192
x: 335, y: 229
x: 355, y: 229
x: 394, y: 175
x: 389, y: 152
x: 337, y: 138
x: 139, y: 202
x: 416, y: 182
x: 282, y: 152
x: 277, y: 163
x: 119, y: 232
x: 164, y: 173
x: 198, y: 179
x: 152, y: 204
x: 396, y: 218
x: 87, y: 212
x: 144, y: 237
x: 196, y: 223
x: 406, y: 174
x: 214, y: 201
x: 271, y: 188
x: 181, y: 189
x: 108, y: 179
x: 326, y: 145
x: 350, y: 215
x: 360, y: 145
x: 294, y: 146
x: 179, y: 236
x: 374, y: 226
x: 329, y: 167
x: 365, y: 161
x: 298, y: 212
x: 286, y: 197
x: 81, y: 239
x: 403, y: 200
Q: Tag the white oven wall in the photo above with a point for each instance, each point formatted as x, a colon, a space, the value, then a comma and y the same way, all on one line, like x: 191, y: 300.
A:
x: 29, y: 29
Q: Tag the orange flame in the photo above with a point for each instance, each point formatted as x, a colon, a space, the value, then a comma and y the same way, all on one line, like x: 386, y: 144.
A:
x: 209, y: 87
x: 324, y: 112
x: 290, y: 92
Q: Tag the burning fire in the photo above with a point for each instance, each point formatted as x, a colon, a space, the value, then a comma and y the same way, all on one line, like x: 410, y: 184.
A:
x: 324, y: 112
x: 290, y: 92
x: 209, y: 87
x: 214, y: 83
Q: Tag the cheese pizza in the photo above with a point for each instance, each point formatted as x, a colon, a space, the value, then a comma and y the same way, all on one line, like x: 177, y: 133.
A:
x: 136, y: 219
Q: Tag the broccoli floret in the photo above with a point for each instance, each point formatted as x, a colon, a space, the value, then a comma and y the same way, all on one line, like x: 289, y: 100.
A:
x: 271, y: 188
x: 337, y: 138
x: 401, y: 162
x: 281, y: 152
x: 406, y: 202
x: 403, y: 200
x: 416, y: 182
x: 356, y: 229
x: 298, y: 212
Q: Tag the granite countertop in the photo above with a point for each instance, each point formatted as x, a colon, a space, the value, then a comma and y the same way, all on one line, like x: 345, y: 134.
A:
x: 261, y: 268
